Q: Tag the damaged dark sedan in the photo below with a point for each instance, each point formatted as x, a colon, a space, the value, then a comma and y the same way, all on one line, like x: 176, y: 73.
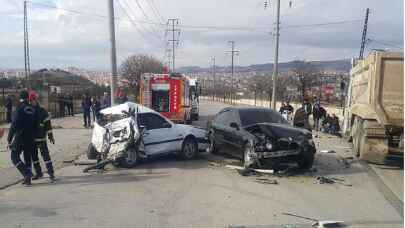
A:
x: 260, y: 137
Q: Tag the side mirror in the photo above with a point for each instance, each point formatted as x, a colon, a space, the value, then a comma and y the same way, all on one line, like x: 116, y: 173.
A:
x: 234, y: 125
x: 167, y: 125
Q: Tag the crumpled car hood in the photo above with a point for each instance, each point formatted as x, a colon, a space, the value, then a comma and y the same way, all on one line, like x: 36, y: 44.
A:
x: 279, y: 130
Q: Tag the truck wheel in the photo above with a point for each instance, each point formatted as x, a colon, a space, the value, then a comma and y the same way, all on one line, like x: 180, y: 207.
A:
x: 357, y: 128
x: 91, y: 152
x: 306, y: 159
x: 130, y: 159
x: 189, y: 149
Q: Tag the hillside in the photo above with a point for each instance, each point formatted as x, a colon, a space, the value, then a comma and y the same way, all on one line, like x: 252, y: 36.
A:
x: 334, y: 65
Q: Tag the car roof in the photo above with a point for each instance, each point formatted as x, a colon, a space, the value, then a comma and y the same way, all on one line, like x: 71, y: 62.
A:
x: 248, y: 108
x: 117, y: 109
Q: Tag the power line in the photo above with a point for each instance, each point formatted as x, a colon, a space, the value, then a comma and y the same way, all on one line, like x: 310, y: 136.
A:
x: 156, y: 10
x: 144, y: 12
x: 203, y: 27
x: 133, y: 23
x: 385, y: 43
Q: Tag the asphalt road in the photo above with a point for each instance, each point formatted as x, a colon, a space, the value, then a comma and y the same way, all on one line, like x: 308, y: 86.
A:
x: 168, y: 192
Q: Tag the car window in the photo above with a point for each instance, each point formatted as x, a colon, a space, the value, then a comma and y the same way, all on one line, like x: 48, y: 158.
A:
x: 152, y: 121
x: 254, y: 116
x: 225, y: 118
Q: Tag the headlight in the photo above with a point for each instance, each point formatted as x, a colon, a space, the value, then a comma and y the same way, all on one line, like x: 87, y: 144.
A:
x: 269, y: 146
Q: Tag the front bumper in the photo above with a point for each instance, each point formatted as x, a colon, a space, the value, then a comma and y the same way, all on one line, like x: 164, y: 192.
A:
x: 276, y: 154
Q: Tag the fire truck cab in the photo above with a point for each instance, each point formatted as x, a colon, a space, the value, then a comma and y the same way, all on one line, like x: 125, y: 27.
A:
x: 168, y: 94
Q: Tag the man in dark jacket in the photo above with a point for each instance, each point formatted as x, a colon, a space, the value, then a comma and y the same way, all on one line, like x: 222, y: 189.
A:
x: 318, y: 113
x: 69, y: 103
x: 44, y: 130
x: 9, y: 108
x: 21, y: 137
x: 86, y: 106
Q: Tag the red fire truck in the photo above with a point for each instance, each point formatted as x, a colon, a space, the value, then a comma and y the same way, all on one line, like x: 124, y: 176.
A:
x: 168, y: 94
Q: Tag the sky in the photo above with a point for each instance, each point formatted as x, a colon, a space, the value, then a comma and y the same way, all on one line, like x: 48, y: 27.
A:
x: 65, y: 33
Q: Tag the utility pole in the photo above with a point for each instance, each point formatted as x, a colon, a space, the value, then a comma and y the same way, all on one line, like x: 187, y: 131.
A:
x: 364, y: 36
x: 26, y: 49
x: 232, y: 51
x: 113, y: 52
x: 275, y: 65
x: 174, y: 22
x: 213, y: 78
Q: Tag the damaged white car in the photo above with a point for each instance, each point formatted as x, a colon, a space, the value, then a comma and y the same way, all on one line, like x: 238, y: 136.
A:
x: 130, y: 132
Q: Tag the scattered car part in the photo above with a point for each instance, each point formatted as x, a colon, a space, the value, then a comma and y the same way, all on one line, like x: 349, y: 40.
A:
x: 266, y: 181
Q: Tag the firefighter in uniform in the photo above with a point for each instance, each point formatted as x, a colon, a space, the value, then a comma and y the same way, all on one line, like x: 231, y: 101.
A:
x: 44, y: 130
x: 21, y: 137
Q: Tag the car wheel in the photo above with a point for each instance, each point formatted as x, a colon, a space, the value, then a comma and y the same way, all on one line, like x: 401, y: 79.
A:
x: 130, y: 158
x: 91, y: 152
x: 189, y: 149
x: 306, y: 159
x: 212, y: 148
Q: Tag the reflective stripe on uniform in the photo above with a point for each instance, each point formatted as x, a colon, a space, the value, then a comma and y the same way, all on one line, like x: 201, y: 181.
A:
x: 19, y: 163
x: 46, y: 119
x: 42, y: 125
x: 40, y: 140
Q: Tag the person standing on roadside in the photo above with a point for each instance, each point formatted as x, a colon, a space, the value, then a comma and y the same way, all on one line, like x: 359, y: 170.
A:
x: 9, y: 108
x: 318, y: 113
x: 44, y: 130
x: 21, y: 137
x: 106, y: 102
x: 86, y: 106
x: 69, y: 99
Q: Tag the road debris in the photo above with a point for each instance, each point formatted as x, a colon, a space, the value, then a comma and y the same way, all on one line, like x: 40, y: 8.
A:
x: 319, y: 223
x: 245, y: 170
x: 328, y: 151
x: 266, y: 181
x: 69, y: 161
x: 328, y: 223
x: 215, y: 164
x: 330, y: 180
x: 324, y: 180
x: 85, y: 163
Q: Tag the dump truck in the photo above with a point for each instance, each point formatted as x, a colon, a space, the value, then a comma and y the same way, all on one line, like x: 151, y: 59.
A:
x: 374, y: 115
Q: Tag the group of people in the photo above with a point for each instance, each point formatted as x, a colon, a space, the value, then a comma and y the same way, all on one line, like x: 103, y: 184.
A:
x: 92, y: 106
x: 29, y: 131
x: 65, y: 103
x: 321, y: 119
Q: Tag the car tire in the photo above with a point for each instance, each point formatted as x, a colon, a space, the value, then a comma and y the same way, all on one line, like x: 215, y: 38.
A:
x: 189, y: 149
x: 212, y: 147
x: 92, y: 153
x: 306, y: 159
x: 130, y: 159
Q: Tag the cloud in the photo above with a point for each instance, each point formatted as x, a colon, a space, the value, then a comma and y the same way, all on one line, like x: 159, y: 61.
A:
x: 60, y: 38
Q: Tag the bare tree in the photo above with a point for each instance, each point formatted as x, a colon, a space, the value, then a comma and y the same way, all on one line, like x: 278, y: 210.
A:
x: 306, y: 75
x: 134, y: 66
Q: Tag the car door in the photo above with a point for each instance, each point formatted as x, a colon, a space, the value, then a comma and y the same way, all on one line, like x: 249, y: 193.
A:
x: 160, y: 135
x: 218, y: 129
x: 233, y: 135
